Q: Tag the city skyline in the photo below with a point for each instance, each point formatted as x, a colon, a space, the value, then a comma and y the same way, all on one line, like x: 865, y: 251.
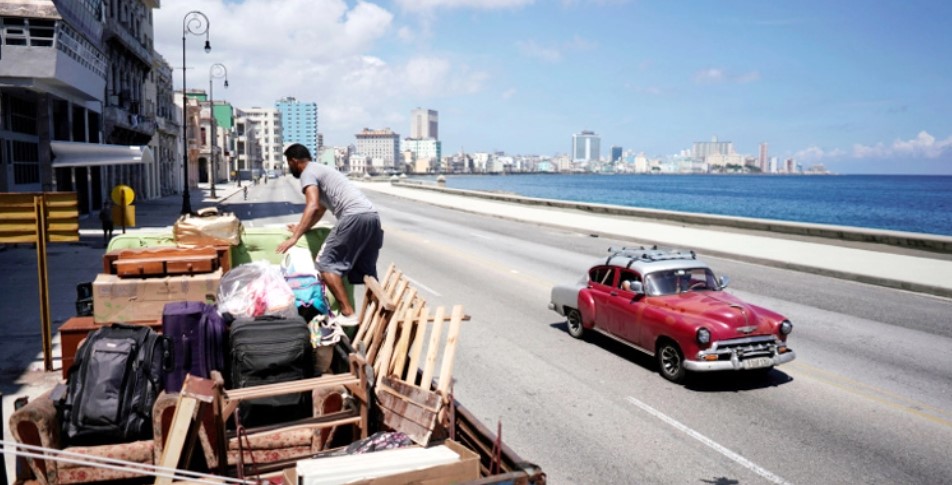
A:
x: 857, y: 87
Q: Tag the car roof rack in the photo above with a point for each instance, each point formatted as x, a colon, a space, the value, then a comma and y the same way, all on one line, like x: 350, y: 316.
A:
x: 648, y: 254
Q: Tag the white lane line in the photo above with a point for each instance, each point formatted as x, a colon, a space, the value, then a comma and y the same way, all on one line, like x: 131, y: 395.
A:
x: 421, y: 285
x: 482, y: 236
x: 709, y: 442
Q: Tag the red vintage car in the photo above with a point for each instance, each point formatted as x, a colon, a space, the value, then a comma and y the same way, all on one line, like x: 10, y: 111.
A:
x: 669, y: 304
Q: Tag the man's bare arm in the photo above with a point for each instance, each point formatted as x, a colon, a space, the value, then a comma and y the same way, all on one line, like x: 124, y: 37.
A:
x: 313, y: 212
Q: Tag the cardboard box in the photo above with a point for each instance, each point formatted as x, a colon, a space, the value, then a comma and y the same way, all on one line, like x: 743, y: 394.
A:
x: 463, y: 470
x: 133, y: 300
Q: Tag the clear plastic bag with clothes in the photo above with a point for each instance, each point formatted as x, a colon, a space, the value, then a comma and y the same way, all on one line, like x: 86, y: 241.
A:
x: 255, y: 289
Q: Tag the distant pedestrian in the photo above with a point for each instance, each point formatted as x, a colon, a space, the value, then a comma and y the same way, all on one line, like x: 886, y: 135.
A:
x: 105, y: 217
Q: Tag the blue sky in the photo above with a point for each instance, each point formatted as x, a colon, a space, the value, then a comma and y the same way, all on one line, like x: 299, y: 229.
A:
x: 862, y: 87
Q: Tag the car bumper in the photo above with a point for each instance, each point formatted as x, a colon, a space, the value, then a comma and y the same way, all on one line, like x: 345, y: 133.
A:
x: 735, y: 364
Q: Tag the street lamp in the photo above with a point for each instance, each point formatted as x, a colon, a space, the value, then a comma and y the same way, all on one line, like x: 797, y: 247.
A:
x: 216, y: 71
x: 195, y: 23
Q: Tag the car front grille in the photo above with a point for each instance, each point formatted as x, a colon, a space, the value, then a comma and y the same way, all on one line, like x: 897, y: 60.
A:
x: 743, y: 348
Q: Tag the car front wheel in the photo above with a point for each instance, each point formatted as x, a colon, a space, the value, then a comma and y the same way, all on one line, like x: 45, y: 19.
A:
x: 670, y: 361
x: 573, y: 320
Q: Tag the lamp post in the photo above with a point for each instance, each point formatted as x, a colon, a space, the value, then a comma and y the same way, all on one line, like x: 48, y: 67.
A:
x: 216, y: 71
x: 195, y: 23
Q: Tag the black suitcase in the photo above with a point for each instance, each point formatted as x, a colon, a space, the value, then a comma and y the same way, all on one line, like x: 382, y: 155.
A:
x: 267, y: 350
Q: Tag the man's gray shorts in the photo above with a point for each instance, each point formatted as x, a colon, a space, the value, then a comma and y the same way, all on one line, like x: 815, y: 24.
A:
x: 352, y: 247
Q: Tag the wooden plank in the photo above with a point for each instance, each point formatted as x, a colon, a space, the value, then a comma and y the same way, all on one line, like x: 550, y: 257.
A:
x: 185, y: 411
x: 290, y: 387
x: 408, y: 329
x: 403, y: 414
x: 382, y: 327
x: 417, y: 348
x: 449, y: 352
x: 433, y: 348
x: 428, y: 399
x: 382, y: 364
x: 374, y: 286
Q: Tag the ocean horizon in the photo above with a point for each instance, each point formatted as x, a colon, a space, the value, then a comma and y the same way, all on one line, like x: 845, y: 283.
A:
x: 908, y: 203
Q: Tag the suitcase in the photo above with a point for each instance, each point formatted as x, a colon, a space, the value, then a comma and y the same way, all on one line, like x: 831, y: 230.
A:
x: 165, y: 262
x: 198, y: 336
x: 267, y: 350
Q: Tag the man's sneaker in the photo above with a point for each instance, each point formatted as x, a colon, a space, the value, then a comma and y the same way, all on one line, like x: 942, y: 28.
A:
x: 343, y: 321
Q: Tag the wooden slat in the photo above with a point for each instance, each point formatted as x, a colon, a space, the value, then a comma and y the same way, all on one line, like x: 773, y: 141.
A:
x: 401, y: 352
x: 374, y: 286
x: 414, y: 414
x: 289, y: 387
x: 403, y: 314
x: 380, y: 332
x: 417, y: 348
x: 433, y: 348
x: 449, y: 352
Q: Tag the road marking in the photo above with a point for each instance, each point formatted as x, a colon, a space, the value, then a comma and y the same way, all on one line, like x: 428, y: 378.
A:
x: 709, y: 442
x: 424, y: 287
x: 482, y: 236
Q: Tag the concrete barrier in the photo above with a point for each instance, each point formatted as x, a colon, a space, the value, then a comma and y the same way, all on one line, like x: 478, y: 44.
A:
x: 911, y: 240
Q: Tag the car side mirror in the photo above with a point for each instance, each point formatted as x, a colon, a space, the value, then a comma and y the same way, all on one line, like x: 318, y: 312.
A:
x: 723, y: 281
x: 637, y: 288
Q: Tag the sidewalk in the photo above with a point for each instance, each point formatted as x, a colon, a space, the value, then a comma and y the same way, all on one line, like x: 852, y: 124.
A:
x: 917, y: 271
x: 21, y: 369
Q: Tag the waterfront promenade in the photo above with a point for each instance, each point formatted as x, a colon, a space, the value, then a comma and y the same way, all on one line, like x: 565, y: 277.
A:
x: 878, y: 264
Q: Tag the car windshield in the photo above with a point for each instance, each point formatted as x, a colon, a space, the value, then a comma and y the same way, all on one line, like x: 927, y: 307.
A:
x: 672, y: 282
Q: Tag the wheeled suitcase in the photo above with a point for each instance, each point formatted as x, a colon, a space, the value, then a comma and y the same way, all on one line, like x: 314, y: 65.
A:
x: 267, y: 350
x: 198, y: 336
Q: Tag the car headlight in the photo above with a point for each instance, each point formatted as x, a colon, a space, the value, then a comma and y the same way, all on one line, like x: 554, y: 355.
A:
x: 786, y: 327
x: 703, y: 336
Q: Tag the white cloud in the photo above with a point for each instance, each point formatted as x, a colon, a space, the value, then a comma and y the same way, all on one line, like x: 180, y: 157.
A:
x: 923, y: 146
x: 509, y: 93
x: 314, y: 50
x: 427, y: 5
x: 553, y: 53
x: 716, y: 75
x: 530, y: 48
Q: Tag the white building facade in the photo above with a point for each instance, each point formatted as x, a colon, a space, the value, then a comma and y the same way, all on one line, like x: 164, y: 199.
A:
x: 270, y: 136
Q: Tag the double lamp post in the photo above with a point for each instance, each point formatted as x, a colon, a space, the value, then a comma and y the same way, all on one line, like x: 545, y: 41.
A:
x: 216, y: 71
x: 195, y: 23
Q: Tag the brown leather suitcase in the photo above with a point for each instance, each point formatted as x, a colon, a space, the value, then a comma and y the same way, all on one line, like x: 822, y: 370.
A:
x: 154, y: 262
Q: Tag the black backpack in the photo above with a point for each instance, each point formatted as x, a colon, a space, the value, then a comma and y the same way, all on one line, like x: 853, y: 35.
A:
x: 113, y: 383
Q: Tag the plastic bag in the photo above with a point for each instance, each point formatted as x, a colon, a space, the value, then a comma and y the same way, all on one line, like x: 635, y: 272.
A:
x: 255, y: 289
x: 298, y: 261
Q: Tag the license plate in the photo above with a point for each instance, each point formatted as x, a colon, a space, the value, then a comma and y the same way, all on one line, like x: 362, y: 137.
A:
x: 757, y: 363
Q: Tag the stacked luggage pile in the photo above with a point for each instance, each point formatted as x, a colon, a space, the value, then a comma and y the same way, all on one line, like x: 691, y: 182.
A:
x: 214, y: 322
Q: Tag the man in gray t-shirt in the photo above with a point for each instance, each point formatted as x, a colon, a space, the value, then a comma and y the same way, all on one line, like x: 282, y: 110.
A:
x: 353, y: 245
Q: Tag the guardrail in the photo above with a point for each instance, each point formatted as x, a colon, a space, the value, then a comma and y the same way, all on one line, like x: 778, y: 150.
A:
x: 911, y: 240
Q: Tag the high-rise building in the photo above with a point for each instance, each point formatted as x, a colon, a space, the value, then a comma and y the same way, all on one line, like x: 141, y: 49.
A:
x: 762, y: 159
x: 427, y: 151
x: 381, y: 147
x: 616, y: 154
x: 270, y: 136
x: 299, y: 123
x: 586, y: 147
x: 424, y: 124
x: 702, y: 149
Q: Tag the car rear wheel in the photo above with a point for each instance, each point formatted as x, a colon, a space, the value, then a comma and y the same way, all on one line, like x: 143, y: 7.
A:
x: 573, y: 320
x: 670, y: 361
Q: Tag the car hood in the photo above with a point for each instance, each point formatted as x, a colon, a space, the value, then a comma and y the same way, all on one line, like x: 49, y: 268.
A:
x: 725, y: 315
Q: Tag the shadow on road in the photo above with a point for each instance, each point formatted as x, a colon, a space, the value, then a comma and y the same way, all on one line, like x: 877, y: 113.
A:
x: 728, y: 381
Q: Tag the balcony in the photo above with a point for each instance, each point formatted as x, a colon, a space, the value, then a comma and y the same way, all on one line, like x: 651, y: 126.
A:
x: 128, y: 128
x: 116, y: 32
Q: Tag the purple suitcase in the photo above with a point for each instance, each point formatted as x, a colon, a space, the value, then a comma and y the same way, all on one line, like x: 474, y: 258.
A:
x: 197, y: 333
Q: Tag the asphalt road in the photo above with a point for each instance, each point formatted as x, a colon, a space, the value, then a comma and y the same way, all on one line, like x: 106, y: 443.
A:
x: 868, y: 400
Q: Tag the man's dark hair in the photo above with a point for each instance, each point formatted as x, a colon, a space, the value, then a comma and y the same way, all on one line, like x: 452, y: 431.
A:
x: 297, y: 151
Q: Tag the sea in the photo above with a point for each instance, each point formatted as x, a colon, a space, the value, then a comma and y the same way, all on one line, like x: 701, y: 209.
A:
x: 909, y: 203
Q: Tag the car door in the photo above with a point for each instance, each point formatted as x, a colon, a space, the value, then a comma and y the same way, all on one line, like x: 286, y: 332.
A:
x: 601, y: 281
x: 625, y: 308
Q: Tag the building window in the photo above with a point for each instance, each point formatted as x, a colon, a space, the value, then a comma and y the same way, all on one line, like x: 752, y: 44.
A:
x: 27, y: 31
x: 26, y: 164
